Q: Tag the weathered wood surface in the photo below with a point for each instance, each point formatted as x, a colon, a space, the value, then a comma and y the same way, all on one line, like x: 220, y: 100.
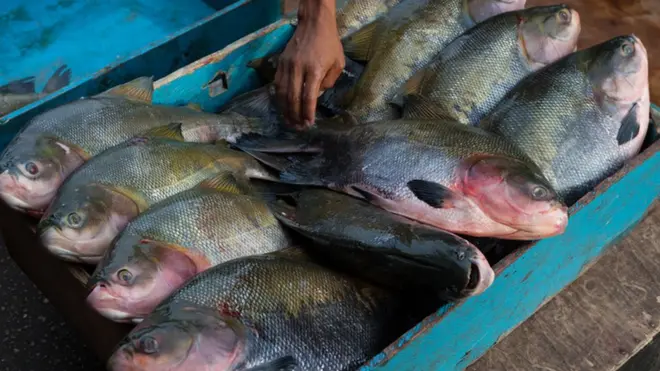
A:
x: 599, y: 321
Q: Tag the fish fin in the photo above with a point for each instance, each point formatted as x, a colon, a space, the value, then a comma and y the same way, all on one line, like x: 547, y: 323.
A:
x: 22, y: 86
x: 170, y: 131
x: 368, y: 196
x: 286, y: 363
x: 224, y: 182
x: 285, y: 142
x: 61, y: 78
x: 303, y: 171
x: 195, y: 107
x: 266, y: 67
x: 629, y: 128
x: 434, y: 194
x: 414, y: 83
x: 253, y: 103
x: 358, y: 45
x: 285, y: 213
x: 278, y: 163
x: 133, y: 195
x: 270, y: 189
x: 140, y: 89
x: 416, y: 106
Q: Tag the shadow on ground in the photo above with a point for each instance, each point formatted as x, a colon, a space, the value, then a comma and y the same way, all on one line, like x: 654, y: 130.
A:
x: 34, y: 335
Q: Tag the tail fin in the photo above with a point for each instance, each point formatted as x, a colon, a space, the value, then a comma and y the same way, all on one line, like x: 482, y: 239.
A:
x: 61, y: 78
x: 300, y: 169
x: 255, y: 103
x: 22, y: 86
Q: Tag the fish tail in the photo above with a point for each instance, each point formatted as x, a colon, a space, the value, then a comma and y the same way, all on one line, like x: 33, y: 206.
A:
x: 22, y: 86
x: 300, y: 169
x: 61, y: 78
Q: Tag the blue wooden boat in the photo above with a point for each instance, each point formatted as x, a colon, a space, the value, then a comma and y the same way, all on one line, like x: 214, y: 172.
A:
x: 457, y: 334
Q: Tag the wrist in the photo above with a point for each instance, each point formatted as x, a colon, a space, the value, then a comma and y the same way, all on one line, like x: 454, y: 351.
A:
x: 313, y: 12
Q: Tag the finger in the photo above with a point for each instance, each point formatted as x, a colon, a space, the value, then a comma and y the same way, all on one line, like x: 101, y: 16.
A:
x: 331, y: 77
x: 294, y: 92
x: 281, y: 78
x: 310, y: 96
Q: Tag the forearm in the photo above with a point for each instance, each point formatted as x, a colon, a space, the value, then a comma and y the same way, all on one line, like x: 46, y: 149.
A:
x: 314, y: 11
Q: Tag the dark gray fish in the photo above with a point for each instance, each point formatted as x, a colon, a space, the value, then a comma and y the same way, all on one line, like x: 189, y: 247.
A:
x: 386, y: 249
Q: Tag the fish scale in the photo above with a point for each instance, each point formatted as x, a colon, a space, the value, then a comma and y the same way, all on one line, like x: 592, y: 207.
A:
x: 217, y: 225
x: 326, y: 321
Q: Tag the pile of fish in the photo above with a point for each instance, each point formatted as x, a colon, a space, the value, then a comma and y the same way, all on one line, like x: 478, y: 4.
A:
x: 238, y: 243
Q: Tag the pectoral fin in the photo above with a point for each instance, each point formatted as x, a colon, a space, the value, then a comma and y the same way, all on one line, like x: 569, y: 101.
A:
x: 286, y: 363
x: 630, y: 126
x: 433, y: 194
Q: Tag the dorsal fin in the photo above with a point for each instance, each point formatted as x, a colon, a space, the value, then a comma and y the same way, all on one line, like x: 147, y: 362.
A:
x: 140, y: 89
x: 358, y: 45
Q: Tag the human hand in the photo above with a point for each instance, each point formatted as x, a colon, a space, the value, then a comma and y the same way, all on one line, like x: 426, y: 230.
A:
x: 312, y: 61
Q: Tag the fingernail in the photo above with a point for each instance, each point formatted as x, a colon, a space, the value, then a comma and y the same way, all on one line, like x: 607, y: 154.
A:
x: 309, y: 123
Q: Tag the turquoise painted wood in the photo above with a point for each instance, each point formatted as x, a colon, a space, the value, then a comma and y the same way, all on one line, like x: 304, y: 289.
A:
x: 159, y: 58
x: 456, y: 335
x: 87, y: 35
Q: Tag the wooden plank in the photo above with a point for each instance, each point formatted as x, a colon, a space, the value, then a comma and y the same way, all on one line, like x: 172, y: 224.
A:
x: 597, y: 322
x: 647, y: 359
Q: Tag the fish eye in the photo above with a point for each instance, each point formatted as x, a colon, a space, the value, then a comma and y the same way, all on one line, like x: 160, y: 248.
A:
x: 74, y: 220
x: 627, y: 49
x: 564, y: 16
x: 125, y: 275
x: 539, y: 192
x: 149, y: 345
x: 31, y: 168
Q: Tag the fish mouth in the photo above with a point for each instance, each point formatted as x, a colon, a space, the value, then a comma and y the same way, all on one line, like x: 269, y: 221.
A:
x: 101, y: 300
x: 60, y: 246
x: 481, y: 275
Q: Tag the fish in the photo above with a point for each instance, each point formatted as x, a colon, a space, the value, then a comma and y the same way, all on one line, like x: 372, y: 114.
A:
x: 582, y: 117
x: 400, y: 44
x: 387, y: 250
x: 55, y: 143
x: 265, y: 312
x: 451, y: 176
x: 19, y: 93
x: 330, y: 102
x: 356, y: 14
x: 97, y: 201
x: 474, y: 72
x: 184, y: 235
